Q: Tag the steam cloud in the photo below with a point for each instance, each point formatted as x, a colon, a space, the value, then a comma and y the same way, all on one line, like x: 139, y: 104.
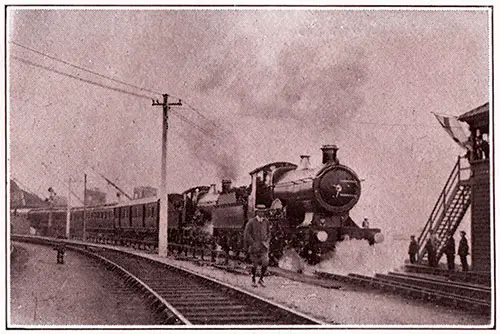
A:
x: 303, y: 82
x: 211, y: 142
x: 306, y: 83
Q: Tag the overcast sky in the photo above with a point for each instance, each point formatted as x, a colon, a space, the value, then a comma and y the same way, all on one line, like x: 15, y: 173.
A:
x: 257, y: 86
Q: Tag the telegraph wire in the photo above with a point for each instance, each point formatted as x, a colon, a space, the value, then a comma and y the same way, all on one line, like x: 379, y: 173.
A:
x: 151, y: 90
x: 391, y: 124
x: 84, y: 69
x: 185, y: 119
x: 113, y: 79
x: 197, y: 111
x: 109, y: 78
x: 194, y: 125
x: 62, y: 182
x: 81, y: 79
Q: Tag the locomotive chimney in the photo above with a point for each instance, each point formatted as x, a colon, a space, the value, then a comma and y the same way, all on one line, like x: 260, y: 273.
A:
x: 304, y: 162
x: 212, y: 188
x: 226, y: 185
x: 330, y: 154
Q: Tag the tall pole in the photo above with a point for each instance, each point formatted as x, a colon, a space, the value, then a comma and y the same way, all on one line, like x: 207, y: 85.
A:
x: 49, y: 224
x: 163, y: 224
x: 68, y: 210
x: 51, y: 206
x: 84, y: 206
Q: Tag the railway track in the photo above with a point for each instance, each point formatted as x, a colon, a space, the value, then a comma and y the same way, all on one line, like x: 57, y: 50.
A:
x: 480, y: 278
x: 124, y: 292
x: 188, y: 298
x: 195, y: 299
x: 468, y: 296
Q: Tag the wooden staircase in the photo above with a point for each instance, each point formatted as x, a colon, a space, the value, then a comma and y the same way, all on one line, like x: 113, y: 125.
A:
x: 449, y: 210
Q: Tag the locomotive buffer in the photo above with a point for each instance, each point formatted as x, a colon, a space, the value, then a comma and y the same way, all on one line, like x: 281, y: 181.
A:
x: 163, y: 225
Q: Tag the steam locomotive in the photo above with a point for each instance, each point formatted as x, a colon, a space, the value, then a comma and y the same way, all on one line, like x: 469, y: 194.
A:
x: 308, y: 209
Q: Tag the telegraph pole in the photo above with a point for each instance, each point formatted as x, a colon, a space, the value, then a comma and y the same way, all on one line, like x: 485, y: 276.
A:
x: 51, y: 207
x: 84, y: 206
x: 68, y: 211
x: 163, y: 224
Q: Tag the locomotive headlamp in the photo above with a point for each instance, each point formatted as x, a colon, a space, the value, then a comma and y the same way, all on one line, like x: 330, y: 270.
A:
x: 322, y: 236
x: 378, y: 238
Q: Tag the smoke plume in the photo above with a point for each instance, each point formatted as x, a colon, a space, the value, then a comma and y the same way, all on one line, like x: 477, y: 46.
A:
x: 210, y: 141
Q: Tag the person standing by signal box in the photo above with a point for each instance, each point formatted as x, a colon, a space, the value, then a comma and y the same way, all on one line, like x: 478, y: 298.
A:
x: 413, y: 250
x: 449, y: 250
x: 463, y: 251
x: 257, y: 238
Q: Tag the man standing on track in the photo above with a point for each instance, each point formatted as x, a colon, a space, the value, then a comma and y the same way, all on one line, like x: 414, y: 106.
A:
x: 257, y: 238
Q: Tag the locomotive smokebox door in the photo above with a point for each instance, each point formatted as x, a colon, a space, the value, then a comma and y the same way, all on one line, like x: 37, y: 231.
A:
x: 337, y: 188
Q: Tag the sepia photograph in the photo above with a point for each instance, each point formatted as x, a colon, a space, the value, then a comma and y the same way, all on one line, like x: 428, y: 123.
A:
x: 249, y: 167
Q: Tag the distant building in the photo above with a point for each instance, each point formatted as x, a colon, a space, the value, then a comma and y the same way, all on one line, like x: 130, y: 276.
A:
x: 144, y: 192
x: 59, y: 201
x: 95, y: 196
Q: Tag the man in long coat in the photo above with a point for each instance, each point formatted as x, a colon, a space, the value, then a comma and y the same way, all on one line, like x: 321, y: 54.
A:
x: 413, y: 250
x: 463, y: 251
x: 449, y: 250
x: 257, y: 238
x: 430, y: 247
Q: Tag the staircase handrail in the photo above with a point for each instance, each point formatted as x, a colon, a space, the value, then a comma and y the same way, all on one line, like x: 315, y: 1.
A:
x: 463, y: 198
x: 441, y: 202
